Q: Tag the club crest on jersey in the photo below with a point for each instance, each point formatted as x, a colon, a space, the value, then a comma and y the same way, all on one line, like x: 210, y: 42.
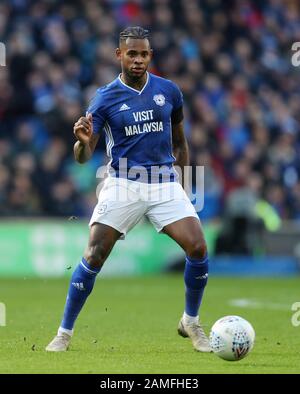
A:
x: 159, y: 99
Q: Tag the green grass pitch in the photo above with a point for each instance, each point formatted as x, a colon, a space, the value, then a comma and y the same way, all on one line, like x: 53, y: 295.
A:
x: 130, y: 326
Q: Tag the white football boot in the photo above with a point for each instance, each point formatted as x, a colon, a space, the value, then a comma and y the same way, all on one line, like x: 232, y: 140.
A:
x: 197, y: 335
x: 60, y: 343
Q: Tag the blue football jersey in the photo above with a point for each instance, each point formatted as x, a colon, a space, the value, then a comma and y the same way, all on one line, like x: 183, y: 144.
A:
x: 137, y: 125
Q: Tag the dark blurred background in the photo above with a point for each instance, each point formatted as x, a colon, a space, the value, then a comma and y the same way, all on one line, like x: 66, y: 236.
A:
x: 232, y: 60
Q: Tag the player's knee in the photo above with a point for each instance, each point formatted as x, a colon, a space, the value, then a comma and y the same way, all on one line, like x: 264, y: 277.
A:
x: 197, y: 248
x: 96, y: 256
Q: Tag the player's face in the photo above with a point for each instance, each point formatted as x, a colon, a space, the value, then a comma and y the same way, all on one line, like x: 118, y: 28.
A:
x: 135, y: 56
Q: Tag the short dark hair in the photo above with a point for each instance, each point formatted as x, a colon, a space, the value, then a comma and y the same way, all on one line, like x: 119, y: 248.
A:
x: 135, y: 32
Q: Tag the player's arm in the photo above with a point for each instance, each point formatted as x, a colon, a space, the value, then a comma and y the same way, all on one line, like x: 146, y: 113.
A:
x: 87, y: 140
x: 180, y: 146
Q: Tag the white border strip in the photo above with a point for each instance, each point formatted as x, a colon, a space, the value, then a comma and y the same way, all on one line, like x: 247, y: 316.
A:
x: 135, y: 90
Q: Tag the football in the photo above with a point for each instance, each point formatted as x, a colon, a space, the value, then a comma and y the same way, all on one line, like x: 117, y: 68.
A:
x: 232, y: 338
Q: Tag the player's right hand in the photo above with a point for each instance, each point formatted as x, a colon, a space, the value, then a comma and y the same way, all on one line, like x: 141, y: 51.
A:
x: 83, y: 129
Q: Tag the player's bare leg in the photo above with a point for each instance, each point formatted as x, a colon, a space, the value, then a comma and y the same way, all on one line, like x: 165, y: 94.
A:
x: 188, y: 234
x: 102, y: 240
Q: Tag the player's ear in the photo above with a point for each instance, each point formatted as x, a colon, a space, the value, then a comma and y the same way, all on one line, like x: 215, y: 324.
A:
x: 118, y: 53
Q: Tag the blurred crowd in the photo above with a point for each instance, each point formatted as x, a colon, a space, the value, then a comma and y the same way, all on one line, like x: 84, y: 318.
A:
x: 232, y: 60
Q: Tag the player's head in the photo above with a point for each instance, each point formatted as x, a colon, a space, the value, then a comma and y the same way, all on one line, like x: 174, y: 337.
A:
x: 134, y: 51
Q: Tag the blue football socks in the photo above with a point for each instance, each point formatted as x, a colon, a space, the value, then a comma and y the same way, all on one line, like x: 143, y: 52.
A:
x: 81, y: 286
x: 195, y: 278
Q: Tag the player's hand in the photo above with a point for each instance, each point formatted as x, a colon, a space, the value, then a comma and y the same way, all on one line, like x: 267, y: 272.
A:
x: 83, y: 129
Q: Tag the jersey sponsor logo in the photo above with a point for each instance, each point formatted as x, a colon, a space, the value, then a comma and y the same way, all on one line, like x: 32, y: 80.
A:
x: 124, y: 107
x: 159, y: 99
x: 143, y: 115
x: 141, y: 128
x: 144, y: 128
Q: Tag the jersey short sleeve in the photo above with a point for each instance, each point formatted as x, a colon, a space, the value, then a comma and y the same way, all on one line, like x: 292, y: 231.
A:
x: 96, y: 108
x: 177, y: 97
x: 177, y: 112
